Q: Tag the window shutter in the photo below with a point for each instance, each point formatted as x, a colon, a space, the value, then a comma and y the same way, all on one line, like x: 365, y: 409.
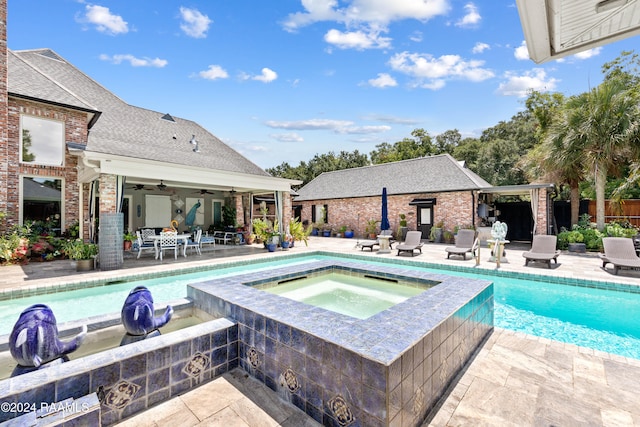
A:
x: 313, y: 213
x: 326, y: 213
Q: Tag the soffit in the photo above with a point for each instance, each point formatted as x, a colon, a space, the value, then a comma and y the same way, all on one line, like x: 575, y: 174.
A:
x: 558, y: 28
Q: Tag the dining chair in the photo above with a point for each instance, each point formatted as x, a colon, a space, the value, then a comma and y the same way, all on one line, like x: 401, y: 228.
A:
x: 168, y: 240
x: 142, y: 245
x: 195, y: 242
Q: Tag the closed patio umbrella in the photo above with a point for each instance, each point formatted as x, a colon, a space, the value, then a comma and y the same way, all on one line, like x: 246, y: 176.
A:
x: 384, y: 223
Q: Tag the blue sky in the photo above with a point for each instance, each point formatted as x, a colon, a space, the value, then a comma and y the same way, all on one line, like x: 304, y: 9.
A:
x: 284, y: 80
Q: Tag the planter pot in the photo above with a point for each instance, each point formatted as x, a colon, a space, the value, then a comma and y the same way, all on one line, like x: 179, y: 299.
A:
x: 403, y: 233
x: 437, y: 235
x: 326, y: 233
x: 285, y: 245
x: 579, y: 248
x: 126, y: 245
x: 271, y: 247
x: 84, y: 264
x: 348, y: 234
x: 314, y: 232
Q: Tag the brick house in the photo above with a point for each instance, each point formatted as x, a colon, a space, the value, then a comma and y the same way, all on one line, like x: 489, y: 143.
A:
x: 428, y: 191
x: 96, y: 154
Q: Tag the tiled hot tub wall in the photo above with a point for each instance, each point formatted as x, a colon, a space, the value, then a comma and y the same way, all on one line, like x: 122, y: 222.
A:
x: 134, y: 377
x: 388, y: 370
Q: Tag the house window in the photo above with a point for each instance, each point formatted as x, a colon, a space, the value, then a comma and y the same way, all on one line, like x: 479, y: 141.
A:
x: 42, y: 204
x: 41, y: 141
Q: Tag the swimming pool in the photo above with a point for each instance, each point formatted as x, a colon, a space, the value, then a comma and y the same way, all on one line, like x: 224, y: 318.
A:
x: 601, y: 319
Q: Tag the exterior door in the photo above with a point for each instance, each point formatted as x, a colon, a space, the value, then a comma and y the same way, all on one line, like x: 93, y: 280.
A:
x: 425, y: 220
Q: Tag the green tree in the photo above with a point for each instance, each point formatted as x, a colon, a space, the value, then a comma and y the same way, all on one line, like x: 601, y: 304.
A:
x: 602, y: 125
x: 447, y: 141
x: 408, y: 148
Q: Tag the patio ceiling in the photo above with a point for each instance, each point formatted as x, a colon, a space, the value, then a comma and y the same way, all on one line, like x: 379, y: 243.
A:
x: 150, y: 173
x: 557, y: 28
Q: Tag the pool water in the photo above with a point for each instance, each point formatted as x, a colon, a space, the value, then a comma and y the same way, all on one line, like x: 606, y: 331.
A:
x: 353, y: 296
x: 604, y: 320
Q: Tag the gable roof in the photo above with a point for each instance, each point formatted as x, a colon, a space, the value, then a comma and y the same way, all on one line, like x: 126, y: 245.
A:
x: 433, y: 174
x: 122, y: 130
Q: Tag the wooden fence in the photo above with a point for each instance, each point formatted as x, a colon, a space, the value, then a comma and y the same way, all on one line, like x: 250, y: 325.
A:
x: 630, y: 211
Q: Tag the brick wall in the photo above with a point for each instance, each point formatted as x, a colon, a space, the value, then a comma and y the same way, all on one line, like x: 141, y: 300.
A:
x: 4, y: 149
x: 75, y: 124
x: 454, y: 209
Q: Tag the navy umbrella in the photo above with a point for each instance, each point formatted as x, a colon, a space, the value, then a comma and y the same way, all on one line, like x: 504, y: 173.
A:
x: 384, y: 224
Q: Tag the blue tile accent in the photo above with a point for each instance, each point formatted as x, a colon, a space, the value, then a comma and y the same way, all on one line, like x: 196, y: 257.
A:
x: 411, y: 350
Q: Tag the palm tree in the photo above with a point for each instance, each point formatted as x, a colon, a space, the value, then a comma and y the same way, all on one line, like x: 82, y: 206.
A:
x: 601, y: 126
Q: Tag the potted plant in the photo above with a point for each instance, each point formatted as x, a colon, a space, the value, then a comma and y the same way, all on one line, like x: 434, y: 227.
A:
x: 83, y: 253
x: 341, y: 231
x: 403, y: 227
x: 436, y: 232
x: 576, y: 242
x: 128, y: 239
x: 348, y: 233
x: 298, y: 232
x: 371, y: 227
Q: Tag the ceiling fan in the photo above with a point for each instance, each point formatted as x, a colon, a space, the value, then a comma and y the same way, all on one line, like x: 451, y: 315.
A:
x: 161, y: 186
x: 203, y: 191
x: 137, y: 187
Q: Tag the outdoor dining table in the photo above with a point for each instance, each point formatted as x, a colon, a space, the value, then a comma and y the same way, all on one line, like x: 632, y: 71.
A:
x: 183, y: 238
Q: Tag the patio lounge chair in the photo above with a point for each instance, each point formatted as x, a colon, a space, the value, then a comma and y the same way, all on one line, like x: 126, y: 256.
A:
x: 620, y: 252
x: 371, y: 243
x: 543, y: 249
x: 411, y: 243
x: 466, y: 242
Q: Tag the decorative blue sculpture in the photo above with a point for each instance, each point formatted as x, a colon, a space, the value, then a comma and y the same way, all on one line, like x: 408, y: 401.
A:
x: 137, y: 313
x: 499, y: 231
x: 34, y: 338
x: 191, y: 216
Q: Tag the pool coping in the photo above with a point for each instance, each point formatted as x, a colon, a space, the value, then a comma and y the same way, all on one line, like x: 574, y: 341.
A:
x: 27, y: 291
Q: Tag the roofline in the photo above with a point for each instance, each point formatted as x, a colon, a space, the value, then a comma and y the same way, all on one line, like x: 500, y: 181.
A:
x: 94, y: 118
x: 479, y: 189
x: 515, y: 189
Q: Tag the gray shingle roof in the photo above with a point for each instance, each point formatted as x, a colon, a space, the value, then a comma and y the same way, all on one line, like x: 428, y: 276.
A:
x: 123, y: 129
x: 423, y: 175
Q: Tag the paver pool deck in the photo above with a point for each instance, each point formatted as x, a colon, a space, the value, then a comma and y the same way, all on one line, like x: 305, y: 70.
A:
x: 514, y: 379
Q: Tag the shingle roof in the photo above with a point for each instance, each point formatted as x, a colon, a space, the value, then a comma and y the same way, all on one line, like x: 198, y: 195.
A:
x: 123, y: 129
x: 423, y: 175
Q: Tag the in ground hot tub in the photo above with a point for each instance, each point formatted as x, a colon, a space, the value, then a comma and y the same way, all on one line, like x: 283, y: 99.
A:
x: 389, y: 368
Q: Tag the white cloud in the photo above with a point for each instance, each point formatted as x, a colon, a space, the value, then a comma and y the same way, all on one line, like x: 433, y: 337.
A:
x: 104, y: 20
x: 194, y: 24
x: 365, y: 11
x: 480, y: 47
x: 383, y: 80
x: 590, y: 53
x: 520, y: 85
x: 214, y: 72
x: 287, y: 137
x: 416, y: 36
x: 357, y: 39
x: 267, y: 76
x: 521, y: 52
x: 336, y: 126
x: 391, y: 119
x: 135, y: 62
x: 472, y: 18
x: 431, y: 72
